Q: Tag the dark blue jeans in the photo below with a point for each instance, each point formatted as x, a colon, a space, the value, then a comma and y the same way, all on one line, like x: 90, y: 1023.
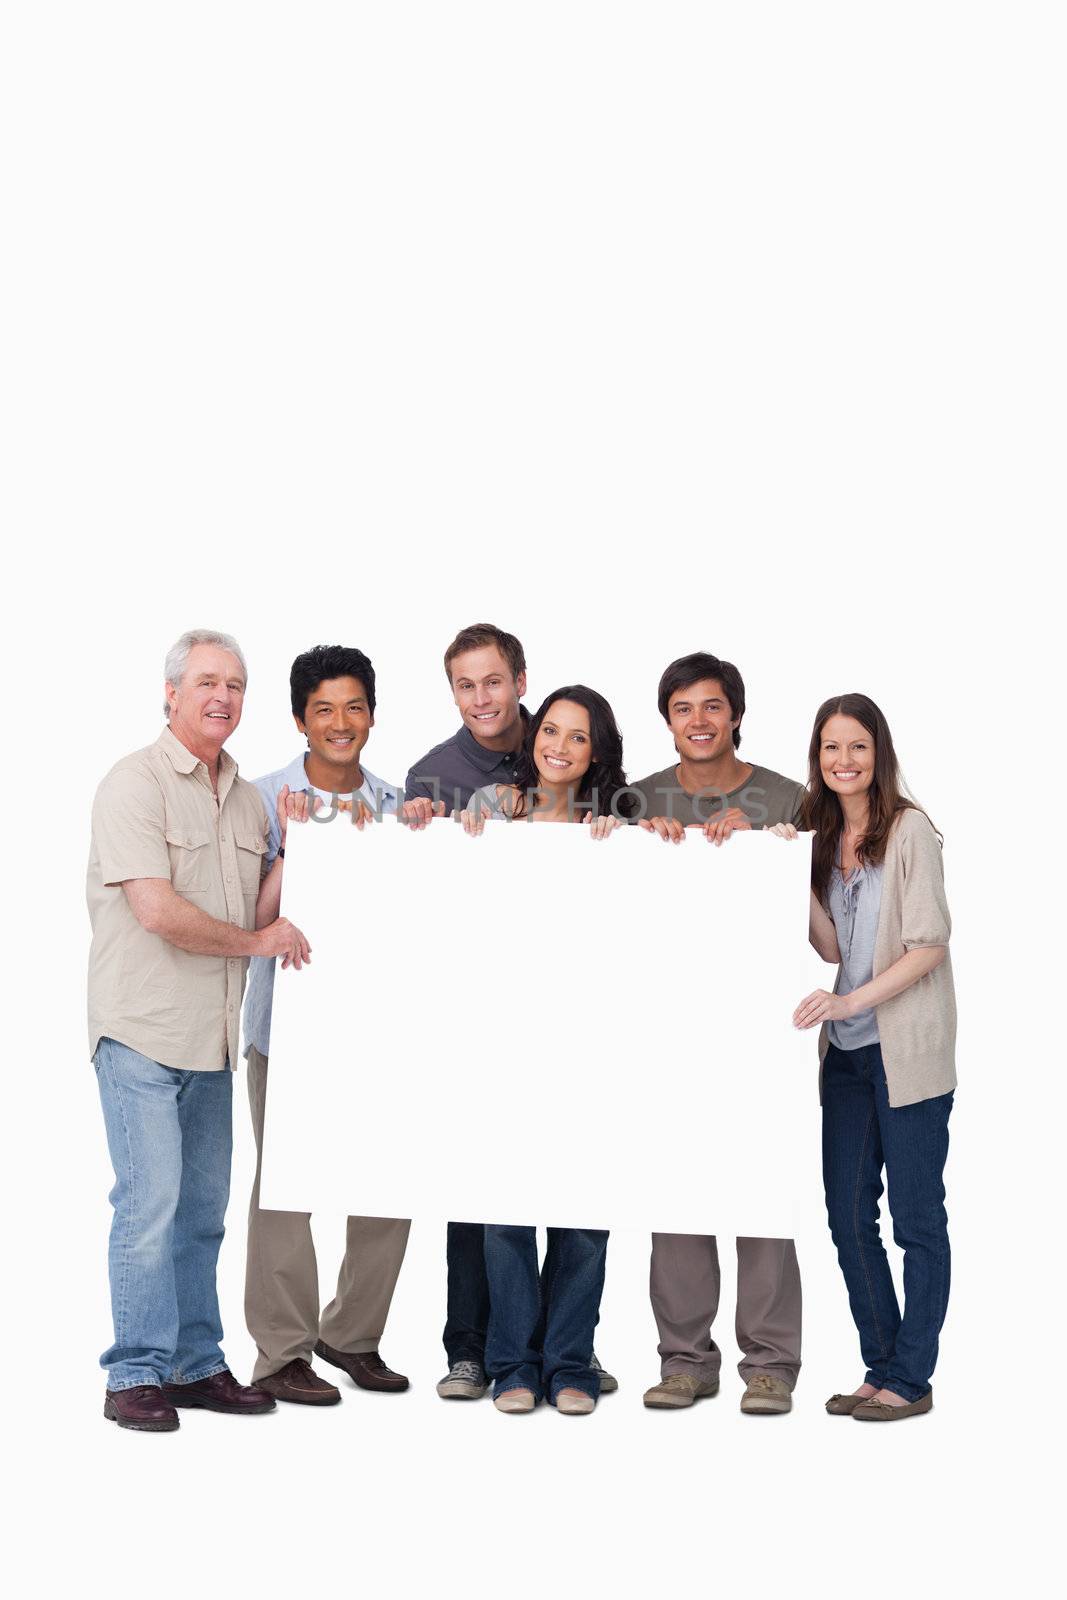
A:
x: 468, y: 1293
x: 541, y: 1327
x: 861, y: 1134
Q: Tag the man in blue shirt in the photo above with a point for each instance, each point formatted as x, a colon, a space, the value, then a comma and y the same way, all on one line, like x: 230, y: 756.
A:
x: 332, y: 697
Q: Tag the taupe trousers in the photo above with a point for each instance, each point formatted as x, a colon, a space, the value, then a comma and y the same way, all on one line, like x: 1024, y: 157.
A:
x: 282, y: 1278
x: 684, y: 1284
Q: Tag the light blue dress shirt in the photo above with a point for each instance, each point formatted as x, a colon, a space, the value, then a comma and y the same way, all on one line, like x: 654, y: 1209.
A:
x: 378, y: 796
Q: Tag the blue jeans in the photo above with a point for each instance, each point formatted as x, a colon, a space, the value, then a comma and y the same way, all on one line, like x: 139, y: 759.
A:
x: 541, y: 1328
x: 170, y: 1136
x: 468, y: 1293
x: 861, y: 1133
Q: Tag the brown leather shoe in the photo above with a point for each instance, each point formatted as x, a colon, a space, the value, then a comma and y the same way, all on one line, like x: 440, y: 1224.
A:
x: 144, y: 1407
x: 368, y: 1370
x: 297, y: 1382
x: 221, y: 1392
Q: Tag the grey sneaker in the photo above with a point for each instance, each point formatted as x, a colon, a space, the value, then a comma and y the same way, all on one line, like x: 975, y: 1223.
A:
x: 766, y: 1395
x: 679, y: 1389
x: 608, y: 1384
x: 464, y: 1380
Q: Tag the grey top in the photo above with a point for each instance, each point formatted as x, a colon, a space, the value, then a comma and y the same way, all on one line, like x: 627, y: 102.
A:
x: 453, y: 770
x: 765, y: 797
x: 854, y: 905
x: 381, y: 797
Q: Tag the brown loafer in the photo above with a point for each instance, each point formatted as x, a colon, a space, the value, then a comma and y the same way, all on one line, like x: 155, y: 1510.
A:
x: 878, y: 1411
x: 843, y: 1405
x: 366, y: 1369
x: 144, y: 1408
x: 299, y: 1384
x: 221, y: 1392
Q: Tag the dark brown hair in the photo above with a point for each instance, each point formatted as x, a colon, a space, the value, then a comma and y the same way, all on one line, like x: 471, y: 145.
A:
x: 602, y: 791
x: 686, y: 671
x: 886, y: 797
x: 480, y: 635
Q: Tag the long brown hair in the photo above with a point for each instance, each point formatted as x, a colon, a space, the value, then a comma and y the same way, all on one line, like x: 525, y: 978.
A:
x: 886, y: 797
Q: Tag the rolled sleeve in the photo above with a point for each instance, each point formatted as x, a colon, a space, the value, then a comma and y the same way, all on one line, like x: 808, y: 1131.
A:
x: 272, y: 830
x: 130, y: 828
x: 925, y: 919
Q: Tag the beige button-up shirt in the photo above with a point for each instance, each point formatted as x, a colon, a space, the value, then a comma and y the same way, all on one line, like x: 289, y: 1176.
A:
x: 155, y: 816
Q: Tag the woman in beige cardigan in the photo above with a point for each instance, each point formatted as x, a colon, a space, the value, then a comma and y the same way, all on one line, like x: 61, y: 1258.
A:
x: 887, y: 1048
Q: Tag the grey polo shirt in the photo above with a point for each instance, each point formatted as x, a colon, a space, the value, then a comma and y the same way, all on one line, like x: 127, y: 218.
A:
x: 765, y: 797
x: 453, y: 770
x: 379, y: 796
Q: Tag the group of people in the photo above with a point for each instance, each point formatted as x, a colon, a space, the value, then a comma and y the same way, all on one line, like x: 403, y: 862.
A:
x: 184, y: 889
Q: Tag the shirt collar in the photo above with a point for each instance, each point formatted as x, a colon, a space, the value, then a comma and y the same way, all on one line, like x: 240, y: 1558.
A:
x: 487, y: 760
x: 295, y: 775
x: 183, y: 760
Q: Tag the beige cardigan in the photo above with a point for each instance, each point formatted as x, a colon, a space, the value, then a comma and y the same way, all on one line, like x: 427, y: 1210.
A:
x: 917, y: 1028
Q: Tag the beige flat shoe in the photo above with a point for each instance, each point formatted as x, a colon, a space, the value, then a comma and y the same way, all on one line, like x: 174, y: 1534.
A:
x: 515, y: 1400
x: 878, y: 1411
x: 574, y: 1403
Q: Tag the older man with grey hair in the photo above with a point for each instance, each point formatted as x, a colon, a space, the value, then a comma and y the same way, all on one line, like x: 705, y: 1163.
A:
x: 176, y: 877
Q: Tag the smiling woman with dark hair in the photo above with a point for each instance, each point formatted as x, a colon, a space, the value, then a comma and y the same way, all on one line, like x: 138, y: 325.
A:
x: 570, y: 766
x: 887, y: 1048
x: 540, y: 1339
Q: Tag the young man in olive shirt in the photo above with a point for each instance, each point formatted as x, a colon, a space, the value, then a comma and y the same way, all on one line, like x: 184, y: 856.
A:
x: 702, y: 700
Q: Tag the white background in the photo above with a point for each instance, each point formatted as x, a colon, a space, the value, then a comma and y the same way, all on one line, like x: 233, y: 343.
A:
x: 637, y: 330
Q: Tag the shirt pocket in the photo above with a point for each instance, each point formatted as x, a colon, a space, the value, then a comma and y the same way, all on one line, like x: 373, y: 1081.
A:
x: 251, y: 848
x: 193, y: 860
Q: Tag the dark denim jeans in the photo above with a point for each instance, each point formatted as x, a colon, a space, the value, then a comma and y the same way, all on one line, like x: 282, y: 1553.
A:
x: 861, y: 1133
x: 468, y: 1293
x: 541, y: 1327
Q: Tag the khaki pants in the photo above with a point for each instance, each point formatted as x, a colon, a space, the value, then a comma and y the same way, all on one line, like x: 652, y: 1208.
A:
x: 684, y: 1284
x: 282, y: 1279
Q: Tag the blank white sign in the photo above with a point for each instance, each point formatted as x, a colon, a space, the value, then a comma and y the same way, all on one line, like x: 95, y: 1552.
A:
x: 538, y: 1027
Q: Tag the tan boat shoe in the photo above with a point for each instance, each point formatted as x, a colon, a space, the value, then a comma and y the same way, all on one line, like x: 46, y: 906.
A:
x: 766, y: 1396
x: 679, y: 1389
x: 879, y: 1411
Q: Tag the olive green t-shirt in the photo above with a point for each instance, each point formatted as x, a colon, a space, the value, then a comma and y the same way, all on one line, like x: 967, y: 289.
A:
x: 765, y: 797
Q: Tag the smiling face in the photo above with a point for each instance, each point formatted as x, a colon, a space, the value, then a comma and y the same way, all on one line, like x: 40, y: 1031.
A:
x: 846, y: 755
x: 701, y: 721
x: 563, y: 749
x: 488, y: 696
x: 206, y: 706
x: 337, y: 721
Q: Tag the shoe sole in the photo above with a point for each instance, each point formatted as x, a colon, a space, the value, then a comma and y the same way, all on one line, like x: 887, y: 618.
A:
x: 307, y: 1400
x: 765, y: 1408
x: 139, y: 1427
x: 456, y: 1391
x: 225, y: 1411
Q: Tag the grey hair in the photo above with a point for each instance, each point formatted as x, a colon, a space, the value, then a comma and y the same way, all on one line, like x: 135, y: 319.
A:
x: 178, y: 655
